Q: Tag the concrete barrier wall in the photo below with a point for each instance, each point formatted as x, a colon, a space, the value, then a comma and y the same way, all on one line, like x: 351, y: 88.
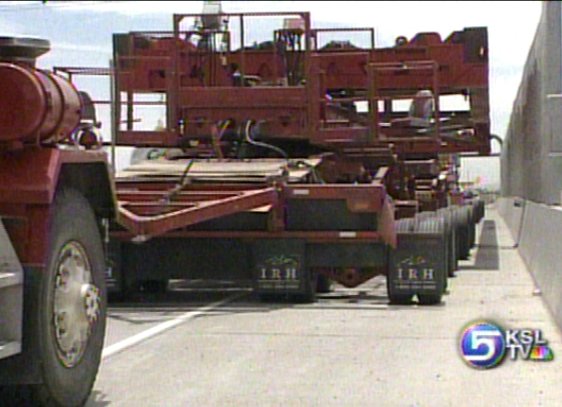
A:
x: 531, y: 161
x: 512, y: 214
x: 540, y: 246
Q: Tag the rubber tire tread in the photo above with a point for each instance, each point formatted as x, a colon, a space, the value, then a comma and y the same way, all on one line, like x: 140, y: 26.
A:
x: 73, y: 220
x: 433, y: 224
x: 324, y: 284
x: 463, y: 233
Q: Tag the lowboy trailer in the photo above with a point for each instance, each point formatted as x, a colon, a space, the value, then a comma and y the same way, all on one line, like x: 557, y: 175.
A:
x: 287, y: 162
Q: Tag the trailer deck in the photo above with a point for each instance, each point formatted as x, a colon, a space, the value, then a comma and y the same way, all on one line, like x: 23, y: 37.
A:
x: 160, y: 196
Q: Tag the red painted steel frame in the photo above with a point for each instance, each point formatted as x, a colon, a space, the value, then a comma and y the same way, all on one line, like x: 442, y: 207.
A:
x: 149, y: 209
x: 161, y: 65
x: 153, y: 217
x: 29, y: 176
x: 28, y: 182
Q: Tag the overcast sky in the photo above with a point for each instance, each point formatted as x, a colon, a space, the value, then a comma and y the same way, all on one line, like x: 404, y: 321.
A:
x: 80, y: 32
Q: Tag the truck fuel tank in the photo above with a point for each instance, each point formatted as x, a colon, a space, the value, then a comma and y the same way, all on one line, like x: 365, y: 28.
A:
x: 35, y: 105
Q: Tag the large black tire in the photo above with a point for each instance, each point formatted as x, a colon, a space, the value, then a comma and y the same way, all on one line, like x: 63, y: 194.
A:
x: 74, y: 224
x: 471, y: 225
x: 306, y: 296
x: 405, y: 225
x: 449, y: 230
x: 324, y: 284
x: 435, y: 225
x: 456, y: 220
x: 401, y: 226
x: 482, y: 206
x: 479, y: 210
x: 463, y: 232
x: 450, y: 226
x: 309, y: 293
x: 396, y: 298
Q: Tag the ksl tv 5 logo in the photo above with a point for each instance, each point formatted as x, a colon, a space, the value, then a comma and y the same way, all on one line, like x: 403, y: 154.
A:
x: 485, y: 344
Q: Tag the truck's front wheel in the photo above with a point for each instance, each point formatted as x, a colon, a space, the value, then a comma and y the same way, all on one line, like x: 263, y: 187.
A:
x: 70, y: 321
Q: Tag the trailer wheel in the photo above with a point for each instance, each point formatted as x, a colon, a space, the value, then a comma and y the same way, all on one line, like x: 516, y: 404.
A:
x: 450, y: 226
x: 453, y: 261
x: 395, y: 298
x: 401, y: 226
x: 308, y: 295
x: 434, y: 225
x: 481, y: 210
x: 70, y: 321
x: 478, y: 208
x: 463, y: 233
x: 471, y: 225
x: 468, y: 234
x: 324, y: 284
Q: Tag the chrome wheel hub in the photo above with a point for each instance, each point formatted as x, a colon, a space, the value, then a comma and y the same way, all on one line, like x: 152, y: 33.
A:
x: 76, y: 303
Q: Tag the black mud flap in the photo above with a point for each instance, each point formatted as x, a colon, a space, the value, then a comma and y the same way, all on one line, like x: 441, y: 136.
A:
x: 279, y: 267
x: 418, y: 266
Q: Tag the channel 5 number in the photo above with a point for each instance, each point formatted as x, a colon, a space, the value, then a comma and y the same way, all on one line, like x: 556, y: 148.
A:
x: 486, y: 338
x: 483, y: 345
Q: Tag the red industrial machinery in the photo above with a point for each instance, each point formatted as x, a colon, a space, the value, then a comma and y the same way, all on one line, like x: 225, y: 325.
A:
x: 55, y: 198
x: 288, y: 163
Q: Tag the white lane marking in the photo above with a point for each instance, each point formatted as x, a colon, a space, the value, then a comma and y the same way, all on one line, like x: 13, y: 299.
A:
x: 164, y: 326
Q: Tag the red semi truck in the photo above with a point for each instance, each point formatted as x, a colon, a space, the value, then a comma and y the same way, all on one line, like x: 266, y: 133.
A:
x: 55, y: 198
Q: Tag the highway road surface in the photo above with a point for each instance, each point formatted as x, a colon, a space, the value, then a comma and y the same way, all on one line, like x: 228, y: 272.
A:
x: 224, y: 348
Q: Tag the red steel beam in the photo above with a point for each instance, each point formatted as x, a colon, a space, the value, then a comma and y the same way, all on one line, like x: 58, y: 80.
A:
x: 155, y: 225
x: 309, y: 236
x: 359, y: 198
